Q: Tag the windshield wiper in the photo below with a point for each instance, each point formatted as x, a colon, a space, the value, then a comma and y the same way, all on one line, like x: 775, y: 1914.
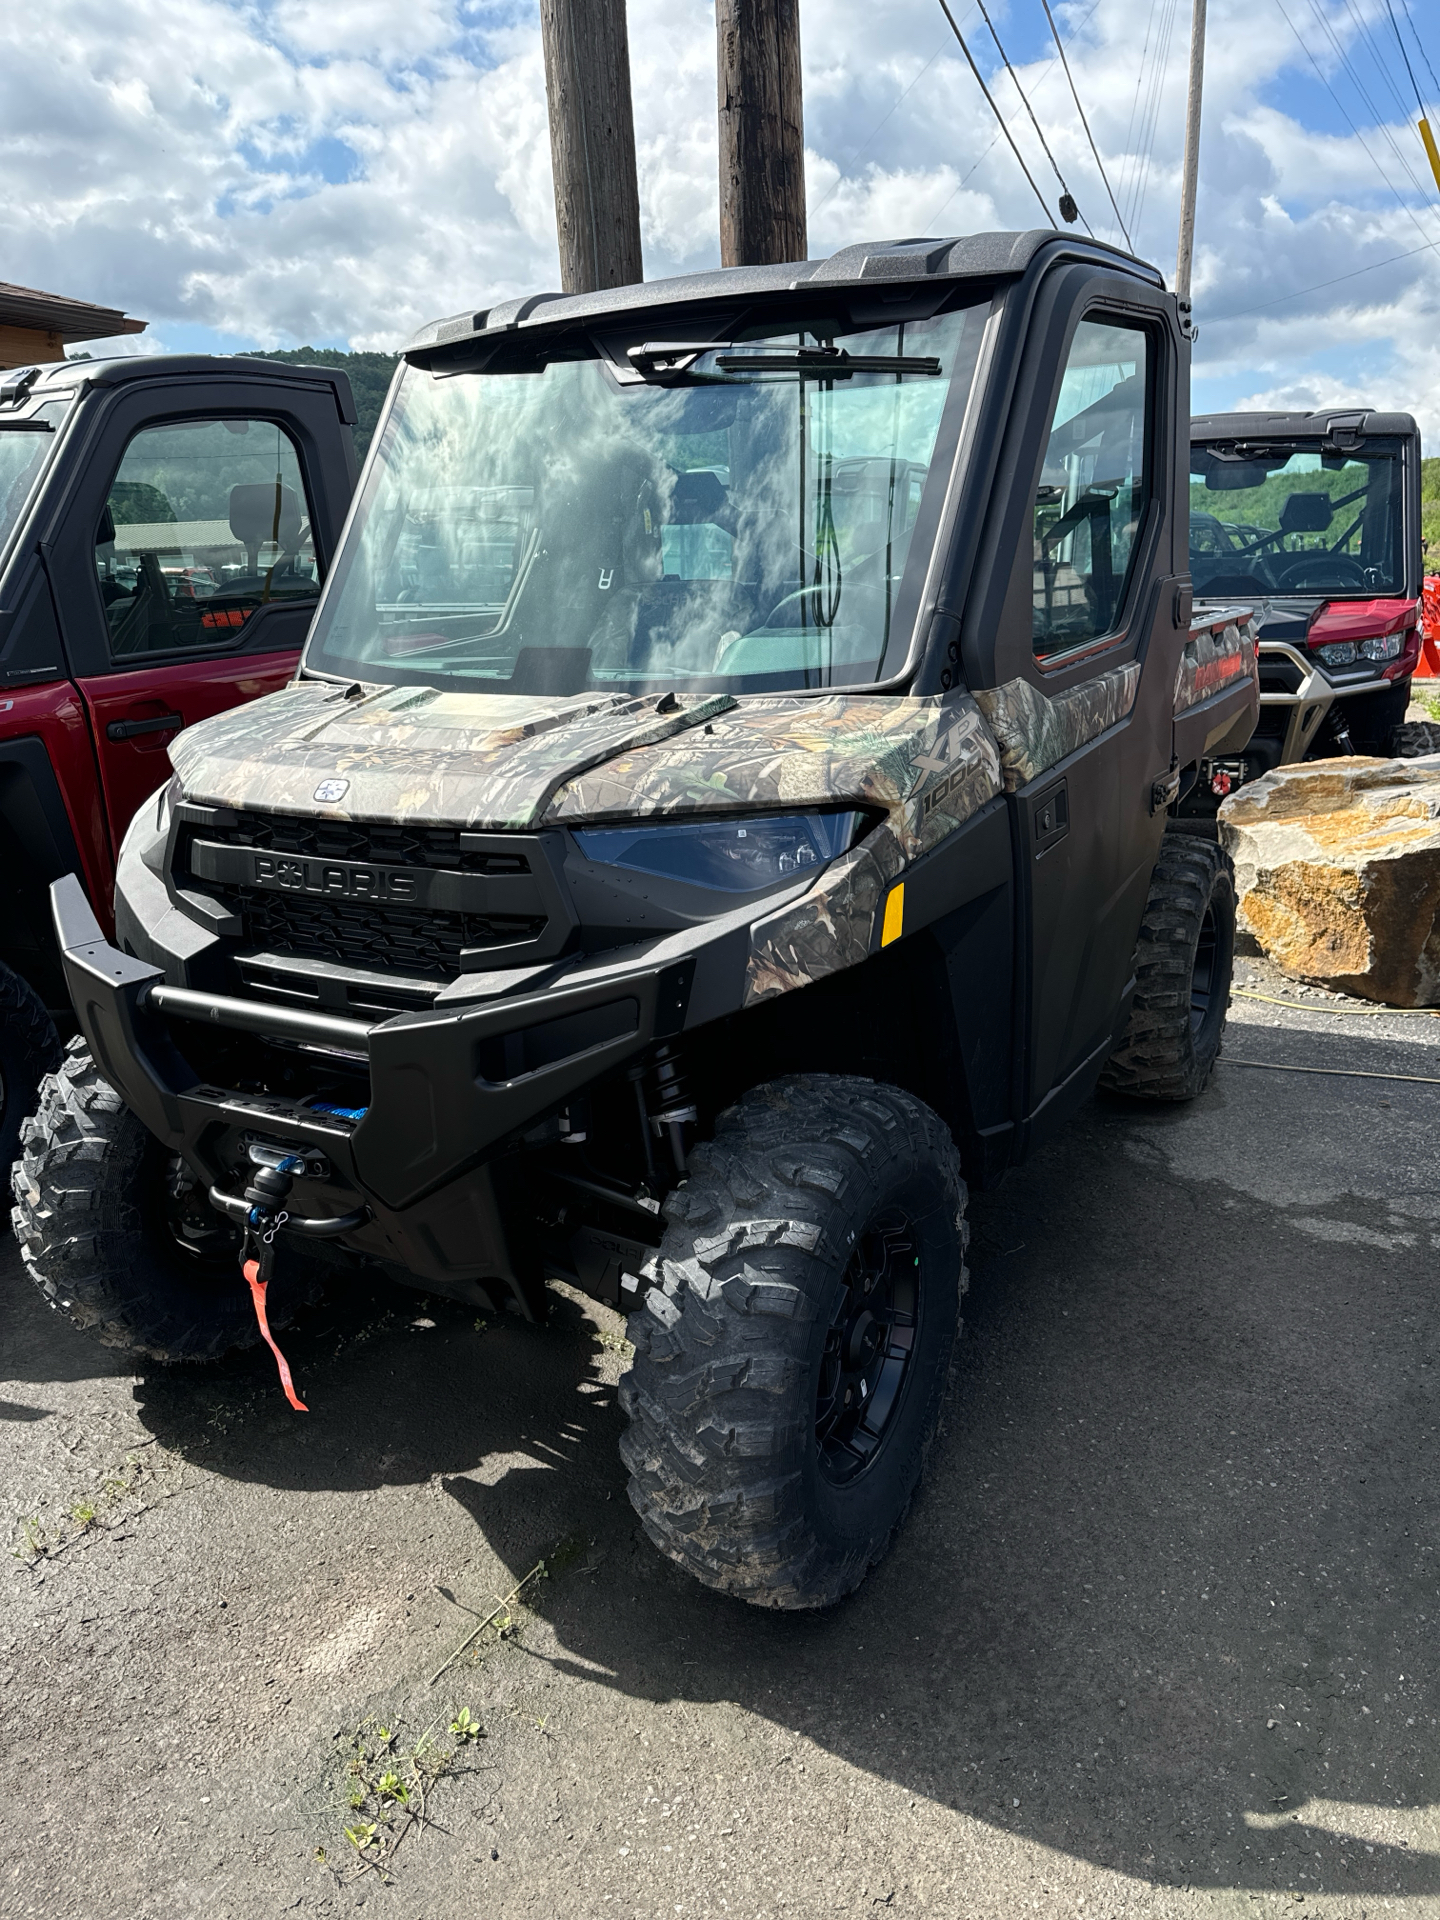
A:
x: 665, y: 361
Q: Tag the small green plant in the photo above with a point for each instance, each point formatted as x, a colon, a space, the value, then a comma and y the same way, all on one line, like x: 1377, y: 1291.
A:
x: 387, y: 1786
x: 85, y: 1511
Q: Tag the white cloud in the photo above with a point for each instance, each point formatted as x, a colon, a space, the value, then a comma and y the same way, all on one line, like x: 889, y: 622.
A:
x: 323, y: 169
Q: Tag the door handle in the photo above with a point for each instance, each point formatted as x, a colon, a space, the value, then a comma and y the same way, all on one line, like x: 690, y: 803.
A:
x: 127, y: 729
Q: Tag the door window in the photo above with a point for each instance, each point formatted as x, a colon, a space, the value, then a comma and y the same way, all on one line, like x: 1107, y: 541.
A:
x: 1094, y: 487
x: 205, y: 522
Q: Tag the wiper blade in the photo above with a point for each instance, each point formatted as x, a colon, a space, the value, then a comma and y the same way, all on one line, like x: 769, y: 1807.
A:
x: 826, y: 360
x: 671, y: 360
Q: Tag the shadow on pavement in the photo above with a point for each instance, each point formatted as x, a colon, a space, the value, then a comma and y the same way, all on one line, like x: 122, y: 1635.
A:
x: 1169, y: 1584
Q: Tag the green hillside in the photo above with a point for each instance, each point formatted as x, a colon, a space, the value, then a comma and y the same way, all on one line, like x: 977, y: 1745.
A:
x: 370, y: 375
x: 1430, y: 511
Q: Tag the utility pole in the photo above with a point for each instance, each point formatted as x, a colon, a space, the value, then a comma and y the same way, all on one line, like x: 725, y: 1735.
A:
x: 592, y: 143
x: 1184, y: 253
x: 762, y: 132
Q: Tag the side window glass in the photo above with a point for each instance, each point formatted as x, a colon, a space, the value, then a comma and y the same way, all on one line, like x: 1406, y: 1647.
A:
x: 1094, y: 487
x: 206, y: 520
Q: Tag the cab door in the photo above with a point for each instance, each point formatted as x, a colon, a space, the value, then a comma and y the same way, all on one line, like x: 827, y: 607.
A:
x: 188, y: 566
x: 1084, y: 699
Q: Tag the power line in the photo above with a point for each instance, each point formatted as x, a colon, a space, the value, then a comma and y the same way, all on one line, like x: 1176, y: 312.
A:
x: 1409, y: 211
x: 1405, y: 57
x: 1130, y: 160
x: 1152, y: 108
x: 1325, y: 27
x: 1367, y: 39
x: 1059, y: 48
x: 970, y: 59
x: 1415, y: 35
x: 1068, y: 209
x: 855, y: 155
x: 1216, y: 320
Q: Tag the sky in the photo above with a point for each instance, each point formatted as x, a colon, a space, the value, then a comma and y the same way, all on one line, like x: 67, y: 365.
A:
x: 276, y: 173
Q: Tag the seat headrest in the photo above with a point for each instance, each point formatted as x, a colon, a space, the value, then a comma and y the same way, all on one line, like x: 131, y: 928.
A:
x: 1305, y: 513
x: 698, y: 497
x: 262, y: 511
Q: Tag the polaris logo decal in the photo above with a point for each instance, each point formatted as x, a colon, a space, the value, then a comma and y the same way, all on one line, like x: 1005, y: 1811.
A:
x: 329, y: 791
x: 344, y: 879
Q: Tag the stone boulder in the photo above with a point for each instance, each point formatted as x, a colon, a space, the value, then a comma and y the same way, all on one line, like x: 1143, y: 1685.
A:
x: 1337, y: 872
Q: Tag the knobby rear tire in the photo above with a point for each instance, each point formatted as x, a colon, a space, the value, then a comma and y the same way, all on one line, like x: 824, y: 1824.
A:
x: 1184, y: 960
x: 809, y: 1184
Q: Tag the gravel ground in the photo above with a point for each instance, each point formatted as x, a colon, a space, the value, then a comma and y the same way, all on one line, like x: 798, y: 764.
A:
x: 1158, y: 1637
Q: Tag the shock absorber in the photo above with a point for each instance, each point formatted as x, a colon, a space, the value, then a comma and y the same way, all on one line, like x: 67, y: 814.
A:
x: 672, y: 1109
x: 1339, y: 730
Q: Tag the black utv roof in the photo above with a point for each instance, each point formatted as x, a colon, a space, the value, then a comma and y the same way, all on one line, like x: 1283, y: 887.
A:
x: 123, y: 369
x: 976, y: 256
x: 1284, y: 426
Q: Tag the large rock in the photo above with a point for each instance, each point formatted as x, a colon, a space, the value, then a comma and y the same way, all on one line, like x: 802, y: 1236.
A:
x: 1337, y: 867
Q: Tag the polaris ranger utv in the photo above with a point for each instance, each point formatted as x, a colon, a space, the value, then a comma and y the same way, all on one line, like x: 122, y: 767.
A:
x: 1314, y: 519
x: 721, y: 810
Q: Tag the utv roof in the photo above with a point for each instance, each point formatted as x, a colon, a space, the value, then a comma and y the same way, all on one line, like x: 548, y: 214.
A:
x: 1283, y: 426
x: 118, y: 370
x: 870, y: 263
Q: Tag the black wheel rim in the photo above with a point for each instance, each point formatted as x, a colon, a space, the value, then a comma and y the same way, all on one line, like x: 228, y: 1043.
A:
x: 869, y: 1349
x: 1203, y: 975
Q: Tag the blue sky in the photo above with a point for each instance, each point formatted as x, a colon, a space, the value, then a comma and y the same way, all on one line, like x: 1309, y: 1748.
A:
x: 335, y: 172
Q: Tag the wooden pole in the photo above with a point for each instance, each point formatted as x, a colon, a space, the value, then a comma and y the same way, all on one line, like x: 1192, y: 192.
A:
x: 762, y: 132
x: 592, y: 143
x: 1184, y: 252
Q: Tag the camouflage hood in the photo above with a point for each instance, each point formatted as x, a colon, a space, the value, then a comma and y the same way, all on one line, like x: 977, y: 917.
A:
x: 411, y: 753
x: 508, y: 761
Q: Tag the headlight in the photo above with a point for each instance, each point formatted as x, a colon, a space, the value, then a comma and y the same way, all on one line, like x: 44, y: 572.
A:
x: 1386, y: 647
x: 730, y: 856
x: 1344, y: 653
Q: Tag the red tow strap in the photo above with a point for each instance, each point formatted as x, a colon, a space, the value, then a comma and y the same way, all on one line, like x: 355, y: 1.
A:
x: 258, y: 1286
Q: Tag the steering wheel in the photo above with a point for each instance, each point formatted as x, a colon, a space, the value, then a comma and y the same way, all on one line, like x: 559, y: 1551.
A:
x: 1320, y: 572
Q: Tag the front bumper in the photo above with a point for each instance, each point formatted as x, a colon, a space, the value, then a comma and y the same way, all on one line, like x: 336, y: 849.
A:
x: 448, y: 1087
x: 1311, y: 692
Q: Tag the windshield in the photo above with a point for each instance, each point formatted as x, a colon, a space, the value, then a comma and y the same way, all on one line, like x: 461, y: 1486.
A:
x: 762, y: 520
x: 24, y: 454
x: 1293, y: 518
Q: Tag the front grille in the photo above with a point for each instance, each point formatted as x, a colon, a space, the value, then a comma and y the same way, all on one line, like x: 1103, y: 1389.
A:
x: 376, y: 936
x: 391, y: 846
x: 384, y: 939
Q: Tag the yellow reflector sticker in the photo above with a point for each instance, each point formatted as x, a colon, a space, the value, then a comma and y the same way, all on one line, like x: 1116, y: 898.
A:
x: 894, y: 915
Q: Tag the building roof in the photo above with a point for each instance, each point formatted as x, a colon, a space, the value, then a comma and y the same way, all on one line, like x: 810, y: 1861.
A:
x: 55, y: 313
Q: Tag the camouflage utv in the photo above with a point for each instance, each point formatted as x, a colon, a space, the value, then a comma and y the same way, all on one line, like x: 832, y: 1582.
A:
x: 721, y: 811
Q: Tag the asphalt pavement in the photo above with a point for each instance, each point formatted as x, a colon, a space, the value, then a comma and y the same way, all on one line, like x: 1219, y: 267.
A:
x: 1159, y: 1636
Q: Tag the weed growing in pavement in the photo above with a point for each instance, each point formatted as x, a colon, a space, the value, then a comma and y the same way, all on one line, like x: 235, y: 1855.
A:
x: 614, y: 1342
x: 42, y: 1540
x: 1429, y: 701
x: 388, y: 1789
